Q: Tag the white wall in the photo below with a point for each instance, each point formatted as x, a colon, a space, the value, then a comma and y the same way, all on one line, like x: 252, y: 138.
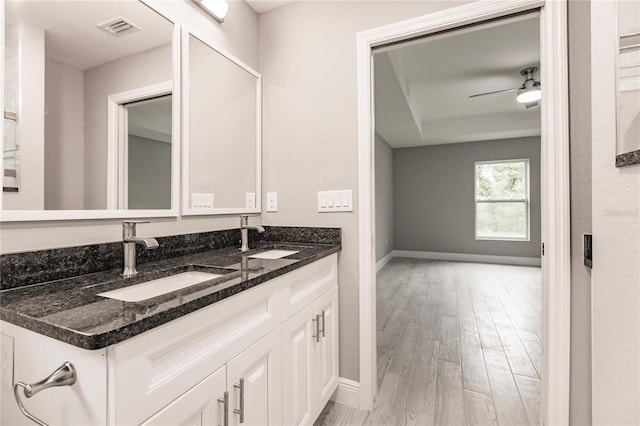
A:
x: 63, y: 137
x: 238, y: 35
x: 308, y: 64
x: 616, y: 243
x: 384, y: 198
x: 30, y: 119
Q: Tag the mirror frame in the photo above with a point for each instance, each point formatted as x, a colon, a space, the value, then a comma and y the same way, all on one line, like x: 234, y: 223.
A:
x: 49, y: 215
x: 189, y: 211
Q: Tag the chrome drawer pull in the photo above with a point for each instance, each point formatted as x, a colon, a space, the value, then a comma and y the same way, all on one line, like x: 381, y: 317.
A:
x: 323, y: 328
x: 316, y: 328
x: 240, y: 411
x: 65, y: 375
x: 225, y: 408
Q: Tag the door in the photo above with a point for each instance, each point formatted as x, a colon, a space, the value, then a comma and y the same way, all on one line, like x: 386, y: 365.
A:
x: 202, y: 405
x: 255, y: 383
x: 297, y: 345
x: 325, y: 352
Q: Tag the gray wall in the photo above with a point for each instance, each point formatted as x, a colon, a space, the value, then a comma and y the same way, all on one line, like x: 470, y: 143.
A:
x: 580, y: 147
x: 384, y: 198
x: 63, y: 137
x: 433, y: 190
x: 149, y: 183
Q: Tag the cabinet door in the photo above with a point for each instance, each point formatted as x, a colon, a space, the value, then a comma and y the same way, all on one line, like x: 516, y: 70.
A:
x: 255, y: 383
x: 199, y: 406
x: 297, y: 346
x: 324, y: 366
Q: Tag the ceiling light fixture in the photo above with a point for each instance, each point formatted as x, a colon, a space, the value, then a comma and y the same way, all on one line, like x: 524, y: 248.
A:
x: 529, y: 94
x: 216, y: 8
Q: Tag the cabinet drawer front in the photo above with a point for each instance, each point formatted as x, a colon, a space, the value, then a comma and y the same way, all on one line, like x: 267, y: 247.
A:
x: 303, y: 286
x: 149, y: 371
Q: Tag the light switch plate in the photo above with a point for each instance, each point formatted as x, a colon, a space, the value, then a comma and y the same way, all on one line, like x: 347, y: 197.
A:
x: 335, y: 201
x: 250, y: 200
x: 202, y: 200
x: 272, y: 201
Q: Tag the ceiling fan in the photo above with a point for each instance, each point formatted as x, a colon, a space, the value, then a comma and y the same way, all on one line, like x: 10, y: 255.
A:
x: 528, y: 94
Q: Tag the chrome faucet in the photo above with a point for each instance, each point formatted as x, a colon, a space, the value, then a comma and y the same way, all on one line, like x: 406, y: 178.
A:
x: 244, y: 232
x: 129, y: 240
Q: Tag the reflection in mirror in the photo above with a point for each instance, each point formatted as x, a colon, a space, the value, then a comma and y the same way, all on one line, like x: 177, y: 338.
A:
x: 64, y: 61
x: 223, y: 132
x: 628, y: 95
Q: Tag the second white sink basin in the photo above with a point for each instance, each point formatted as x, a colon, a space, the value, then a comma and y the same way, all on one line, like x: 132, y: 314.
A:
x: 274, y: 254
x: 160, y: 286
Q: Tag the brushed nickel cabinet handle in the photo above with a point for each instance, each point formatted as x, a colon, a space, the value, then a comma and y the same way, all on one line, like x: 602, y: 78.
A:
x: 323, y: 324
x: 240, y: 411
x: 225, y: 408
x: 316, y: 328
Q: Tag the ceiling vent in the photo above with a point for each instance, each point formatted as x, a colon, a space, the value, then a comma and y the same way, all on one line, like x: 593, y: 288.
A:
x: 119, y: 26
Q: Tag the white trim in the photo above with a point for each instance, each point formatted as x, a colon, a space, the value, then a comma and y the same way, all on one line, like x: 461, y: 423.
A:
x: 187, y: 210
x: 384, y: 260
x: 555, y: 187
x: 347, y: 393
x: 467, y: 257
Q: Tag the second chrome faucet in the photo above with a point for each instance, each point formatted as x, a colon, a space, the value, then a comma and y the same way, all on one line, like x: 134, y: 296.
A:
x: 244, y: 232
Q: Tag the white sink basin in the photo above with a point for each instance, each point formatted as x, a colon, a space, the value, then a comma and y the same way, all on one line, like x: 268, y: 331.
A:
x: 160, y: 286
x: 273, y: 254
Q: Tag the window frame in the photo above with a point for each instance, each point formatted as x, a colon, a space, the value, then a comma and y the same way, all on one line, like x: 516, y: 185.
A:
x: 526, y: 200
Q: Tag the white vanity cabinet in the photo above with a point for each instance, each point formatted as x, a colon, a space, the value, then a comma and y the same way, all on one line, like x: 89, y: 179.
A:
x: 258, y: 347
x: 310, y: 356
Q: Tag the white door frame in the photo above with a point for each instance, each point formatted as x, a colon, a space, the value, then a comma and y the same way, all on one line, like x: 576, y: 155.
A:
x: 555, y: 187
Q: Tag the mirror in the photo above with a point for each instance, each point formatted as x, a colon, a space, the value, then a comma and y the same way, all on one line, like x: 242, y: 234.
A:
x: 89, y: 100
x: 221, y: 132
x: 628, y: 84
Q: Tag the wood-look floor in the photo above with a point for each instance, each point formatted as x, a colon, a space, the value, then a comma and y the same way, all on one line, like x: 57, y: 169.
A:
x: 458, y: 344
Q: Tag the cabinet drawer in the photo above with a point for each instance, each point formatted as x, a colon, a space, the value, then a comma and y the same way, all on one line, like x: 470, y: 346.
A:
x: 303, y: 286
x: 149, y: 371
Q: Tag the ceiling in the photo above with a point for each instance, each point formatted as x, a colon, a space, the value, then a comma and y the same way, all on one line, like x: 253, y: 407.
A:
x: 263, y: 6
x: 422, y: 88
x: 72, y: 36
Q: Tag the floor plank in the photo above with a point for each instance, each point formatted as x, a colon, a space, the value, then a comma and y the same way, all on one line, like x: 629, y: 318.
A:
x: 509, y: 407
x: 420, y: 406
x: 474, y: 372
x: 530, y: 391
x: 450, y: 396
x: 479, y: 409
x: 449, y: 339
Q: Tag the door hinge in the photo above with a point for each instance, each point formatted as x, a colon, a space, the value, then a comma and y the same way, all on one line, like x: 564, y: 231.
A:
x: 543, y: 249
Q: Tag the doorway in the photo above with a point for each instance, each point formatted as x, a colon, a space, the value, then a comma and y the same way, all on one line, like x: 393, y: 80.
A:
x: 555, y: 205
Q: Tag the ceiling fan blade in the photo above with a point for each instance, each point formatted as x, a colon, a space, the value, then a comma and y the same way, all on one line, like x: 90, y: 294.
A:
x: 497, y: 91
x: 531, y: 104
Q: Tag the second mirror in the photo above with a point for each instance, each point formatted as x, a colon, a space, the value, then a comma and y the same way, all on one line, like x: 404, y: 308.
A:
x: 222, y: 157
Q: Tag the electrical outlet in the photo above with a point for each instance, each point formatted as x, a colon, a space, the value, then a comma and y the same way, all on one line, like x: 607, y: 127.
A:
x: 250, y: 200
x: 6, y: 359
x: 202, y: 200
x: 272, y: 201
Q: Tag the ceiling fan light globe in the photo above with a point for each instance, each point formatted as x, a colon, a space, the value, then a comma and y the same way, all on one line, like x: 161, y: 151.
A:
x: 529, y: 95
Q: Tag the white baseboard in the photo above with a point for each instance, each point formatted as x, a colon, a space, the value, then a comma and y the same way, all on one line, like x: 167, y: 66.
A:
x: 384, y: 261
x: 347, y: 393
x: 464, y: 257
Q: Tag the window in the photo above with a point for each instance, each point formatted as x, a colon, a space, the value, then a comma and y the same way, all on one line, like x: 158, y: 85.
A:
x: 502, y: 200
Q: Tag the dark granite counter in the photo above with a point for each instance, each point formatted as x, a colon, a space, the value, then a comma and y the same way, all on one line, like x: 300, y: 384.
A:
x: 71, y: 311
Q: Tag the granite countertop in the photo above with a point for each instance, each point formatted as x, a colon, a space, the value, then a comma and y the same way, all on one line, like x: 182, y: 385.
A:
x: 71, y: 311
